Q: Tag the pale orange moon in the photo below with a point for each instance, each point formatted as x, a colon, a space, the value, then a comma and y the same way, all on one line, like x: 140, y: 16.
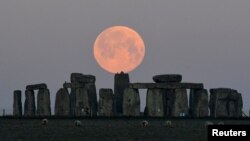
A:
x: 119, y: 48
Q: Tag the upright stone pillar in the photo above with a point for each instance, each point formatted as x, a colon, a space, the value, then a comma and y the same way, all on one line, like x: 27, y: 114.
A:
x: 82, y: 102
x: 179, y: 103
x: 72, y: 97
x: 43, y: 103
x: 121, y: 83
x: 225, y: 102
x: 17, y: 105
x: 131, y: 102
x: 90, y: 86
x: 155, y: 103
x: 87, y: 82
x: 169, y: 98
x: 29, y: 104
x: 106, y: 103
x: 198, y: 103
x: 73, y: 78
x: 62, y: 104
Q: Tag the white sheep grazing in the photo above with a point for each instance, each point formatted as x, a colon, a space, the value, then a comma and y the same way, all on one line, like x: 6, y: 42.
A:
x: 144, y: 123
x: 168, y: 123
x: 78, y: 123
x: 45, y: 121
x: 208, y: 123
x: 221, y: 123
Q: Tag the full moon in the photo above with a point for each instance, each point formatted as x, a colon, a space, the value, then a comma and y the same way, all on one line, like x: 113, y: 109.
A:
x: 119, y: 48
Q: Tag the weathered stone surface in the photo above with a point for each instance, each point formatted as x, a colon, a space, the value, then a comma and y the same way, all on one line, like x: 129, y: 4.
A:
x: 91, y: 88
x: 72, y: 97
x: 79, y: 81
x: 82, y: 102
x: 43, y: 103
x: 198, y: 103
x: 178, y: 102
x: 81, y: 78
x: 131, y: 102
x: 121, y: 83
x: 166, y: 85
x: 165, y: 78
x: 155, y: 103
x: 62, y: 104
x: 75, y: 85
x: 17, y: 104
x: 29, y: 104
x: 225, y: 102
x: 36, y: 86
x: 106, y: 103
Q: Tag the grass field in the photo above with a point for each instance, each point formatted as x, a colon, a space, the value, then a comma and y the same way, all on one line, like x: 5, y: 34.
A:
x: 105, y: 129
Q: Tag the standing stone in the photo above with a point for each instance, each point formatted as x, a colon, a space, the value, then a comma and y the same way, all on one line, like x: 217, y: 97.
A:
x: 91, y: 88
x: 235, y: 104
x: 179, y: 102
x: 72, y: 97
x: 17, y: 105
x: 62, y: 104
x: 155, y: 103
x: 73, y: 78
x: 121, y: 83
x: 87, y: 82
x: 82, y: 102
x: 106, y: 103
x: 43, y: 103
x: 131, y: 102
x: 225, y: 102
x: 29, y: 104
x: 198, y: 102
x: 169, y: 101
x: 166, y: 78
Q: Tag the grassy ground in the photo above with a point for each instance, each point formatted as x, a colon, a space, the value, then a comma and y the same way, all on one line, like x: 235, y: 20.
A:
x: 104, y: 129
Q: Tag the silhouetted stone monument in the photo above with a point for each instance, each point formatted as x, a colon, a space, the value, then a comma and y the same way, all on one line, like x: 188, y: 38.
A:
x: 155, y: 103
x: 36, y: 86
x: 43, y: 103
x: 82, y: 102
x: 17, y: 105
x: 120, y: 84
x: 166, y: 102
x: 79, y: 81
x: 131, y: 102
x: 106, y: 103
x: 29, y: 104
x: 72, y: 97
x: 166, y: 85
x: 91, y: 88
x: 73, y: 79
x: 62, y: 104
x: 165, y: 78
x: 225, y: 102
x: 179, y: 102
x: 198, y: 103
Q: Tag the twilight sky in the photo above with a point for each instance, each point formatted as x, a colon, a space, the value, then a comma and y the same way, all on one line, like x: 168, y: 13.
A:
x: 206, y: 41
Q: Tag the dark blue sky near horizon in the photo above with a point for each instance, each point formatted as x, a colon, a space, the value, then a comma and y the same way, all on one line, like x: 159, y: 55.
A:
x: 47, y: 40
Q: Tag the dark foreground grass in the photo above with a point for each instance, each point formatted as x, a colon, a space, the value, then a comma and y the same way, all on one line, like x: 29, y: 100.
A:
x: 104, y: 129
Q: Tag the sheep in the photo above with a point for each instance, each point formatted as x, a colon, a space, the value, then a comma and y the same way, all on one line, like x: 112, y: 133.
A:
x: 221, y: 123
x: 78, y: 123
x: 144, y: 123
x: 168, y: 123
x: 208, y: 123
x: 44, y: 121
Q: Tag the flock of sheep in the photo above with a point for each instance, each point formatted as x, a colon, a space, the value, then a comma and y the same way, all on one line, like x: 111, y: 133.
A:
x: 143, y: 123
